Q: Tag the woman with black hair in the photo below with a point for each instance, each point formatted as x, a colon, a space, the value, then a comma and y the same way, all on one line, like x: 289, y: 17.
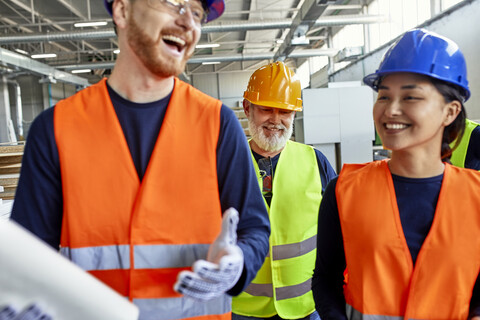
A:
x: 399, y: 238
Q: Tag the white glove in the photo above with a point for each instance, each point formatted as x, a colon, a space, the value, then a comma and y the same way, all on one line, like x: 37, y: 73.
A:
x: 224, y: 265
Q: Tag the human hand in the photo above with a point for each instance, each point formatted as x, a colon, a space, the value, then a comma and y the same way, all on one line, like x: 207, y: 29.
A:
x: 222, y: 269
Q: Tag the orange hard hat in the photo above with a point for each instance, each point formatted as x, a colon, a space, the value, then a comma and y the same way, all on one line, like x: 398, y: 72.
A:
x: 276, y: 86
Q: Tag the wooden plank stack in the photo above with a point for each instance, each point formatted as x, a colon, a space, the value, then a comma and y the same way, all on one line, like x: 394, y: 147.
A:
x: 242, y: 118
x: 10, y: 164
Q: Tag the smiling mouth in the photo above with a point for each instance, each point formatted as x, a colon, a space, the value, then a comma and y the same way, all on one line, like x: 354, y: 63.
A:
x: 395, y: 126
x: 174, y: 41
x: 272, y: 129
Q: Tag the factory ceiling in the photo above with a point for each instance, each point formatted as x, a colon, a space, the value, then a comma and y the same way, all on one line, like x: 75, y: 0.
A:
x: 247, y: 35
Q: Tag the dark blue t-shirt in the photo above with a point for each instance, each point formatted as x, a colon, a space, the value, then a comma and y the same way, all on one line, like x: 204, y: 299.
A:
x: 326, y: 171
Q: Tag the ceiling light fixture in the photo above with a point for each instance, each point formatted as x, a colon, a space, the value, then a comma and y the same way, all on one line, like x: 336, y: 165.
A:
x: 21, y: 51
x: 90, y: 24
x: 82, y: 71
x: 43, y: 55
x: 207, y: 45
x: 116, y: 51
x: 213, y: 62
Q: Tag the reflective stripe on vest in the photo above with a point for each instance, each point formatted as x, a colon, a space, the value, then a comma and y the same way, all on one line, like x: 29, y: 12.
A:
x: 460, y: 153
x: 353, y: 314
x: 283, y: 283
x: 292, y: 250
x: 146, y: 256
x: 266, y: 290
x: 181, y: 308
x: 382, y: 280
x: 136, y: 236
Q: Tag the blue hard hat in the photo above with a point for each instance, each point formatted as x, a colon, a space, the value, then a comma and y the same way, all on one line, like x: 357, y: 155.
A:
x: 215, y: 8
x: 427, y: 53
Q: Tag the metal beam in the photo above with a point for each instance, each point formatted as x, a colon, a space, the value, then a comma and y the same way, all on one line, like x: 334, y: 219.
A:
x: 106, y: 33
x: 215, y: 58
x: 302, y: 22
x: 35, y: 13
x: 20, y: 61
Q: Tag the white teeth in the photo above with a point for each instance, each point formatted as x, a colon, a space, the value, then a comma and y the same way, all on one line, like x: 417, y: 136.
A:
x: 174, y: 39
x: 395, y: 126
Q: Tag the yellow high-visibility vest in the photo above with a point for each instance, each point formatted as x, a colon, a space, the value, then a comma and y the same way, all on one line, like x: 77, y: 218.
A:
x: 283, y: 284
x: 460, y: 153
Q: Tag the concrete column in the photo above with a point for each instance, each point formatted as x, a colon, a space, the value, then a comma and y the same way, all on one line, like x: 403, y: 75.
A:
x: 5, y: 116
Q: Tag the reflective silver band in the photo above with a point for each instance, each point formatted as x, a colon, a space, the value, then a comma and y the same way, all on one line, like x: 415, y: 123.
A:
x: 260, y: 290
x: 168, y: 256
x: 99, y: 258
x: 282, y: 293
x: 180, y: 308
x: 297, y: 290
x: 292, y: 250
x: 145, y: 256
x: 354, y: 314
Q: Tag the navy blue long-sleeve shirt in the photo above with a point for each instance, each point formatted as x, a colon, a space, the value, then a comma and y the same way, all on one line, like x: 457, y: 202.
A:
x: 416, y: 217
x: 38, y: 204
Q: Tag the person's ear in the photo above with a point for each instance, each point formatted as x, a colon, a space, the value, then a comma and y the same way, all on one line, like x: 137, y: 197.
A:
x: 246, y: 107
x: 120, y: 12
x: 452, y: 110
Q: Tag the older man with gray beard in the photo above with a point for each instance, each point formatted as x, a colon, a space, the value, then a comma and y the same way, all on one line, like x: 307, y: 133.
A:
x: 292, y: 177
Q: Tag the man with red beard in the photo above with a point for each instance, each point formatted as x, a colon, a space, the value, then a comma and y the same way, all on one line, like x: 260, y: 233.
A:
x: 292, y: 177
x: 130, y: 177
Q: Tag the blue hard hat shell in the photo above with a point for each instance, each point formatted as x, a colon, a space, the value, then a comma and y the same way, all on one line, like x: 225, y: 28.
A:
x: 427, y: 53
x: 215, y: 8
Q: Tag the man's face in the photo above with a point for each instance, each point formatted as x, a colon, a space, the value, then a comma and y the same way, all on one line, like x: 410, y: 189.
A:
x: 270, y: 128
x: 162, y: 38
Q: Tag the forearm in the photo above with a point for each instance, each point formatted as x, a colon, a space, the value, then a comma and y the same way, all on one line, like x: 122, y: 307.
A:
x: 238, y: 188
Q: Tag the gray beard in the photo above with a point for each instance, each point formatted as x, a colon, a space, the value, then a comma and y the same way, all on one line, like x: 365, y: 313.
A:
x: 270, y: 144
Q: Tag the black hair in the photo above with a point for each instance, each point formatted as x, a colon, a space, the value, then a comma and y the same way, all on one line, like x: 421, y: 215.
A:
x: 454, y: 131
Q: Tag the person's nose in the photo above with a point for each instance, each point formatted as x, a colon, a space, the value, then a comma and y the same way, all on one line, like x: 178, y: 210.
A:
x: 275, y: 117
x: 393, y: 108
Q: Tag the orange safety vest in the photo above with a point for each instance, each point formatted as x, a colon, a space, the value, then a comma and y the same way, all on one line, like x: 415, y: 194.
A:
x: 383, y: 283
x: 137, y: 236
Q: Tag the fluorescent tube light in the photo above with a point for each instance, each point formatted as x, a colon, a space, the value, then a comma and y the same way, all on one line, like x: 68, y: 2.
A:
x: 116, y: 51
x: 90, y: 24
x: 82, y: 71
x: 43, y: 55
x: 207, y: 45
x: 21, y: 51
x: 213, y: 62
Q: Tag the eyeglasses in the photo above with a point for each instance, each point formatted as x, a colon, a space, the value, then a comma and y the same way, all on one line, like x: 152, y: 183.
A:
x: 180, y: 6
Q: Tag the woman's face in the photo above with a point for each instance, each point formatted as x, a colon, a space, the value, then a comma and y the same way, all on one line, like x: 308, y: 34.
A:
x: 411, y: 114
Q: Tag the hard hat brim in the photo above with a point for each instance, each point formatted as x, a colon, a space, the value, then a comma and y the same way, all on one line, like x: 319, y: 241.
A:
x: 372, y: 80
